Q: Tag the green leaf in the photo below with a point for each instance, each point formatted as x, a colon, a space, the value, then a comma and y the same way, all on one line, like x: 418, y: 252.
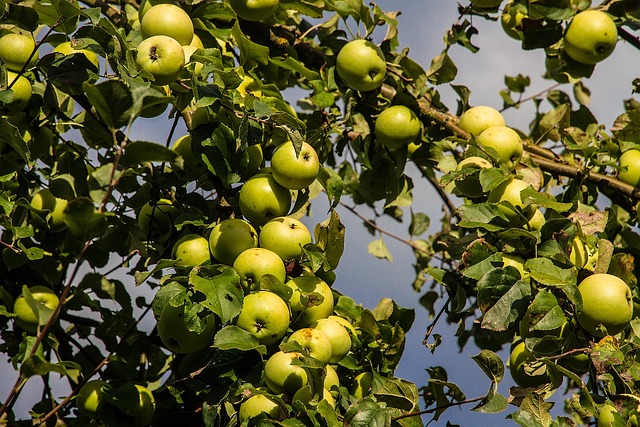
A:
x: 504, y: 313
x: 138, y: 152
x: 551, y: 273
x: 482, y: 215
x: 112, y: 100
x: 329, y: 236
x: 221, y: 287
x: 83, y: 220
x: 249, y: 51
x: 367, y: 413
x: 378, y: 249
x: 533, y: 412
x: 442, y: 69
x: 492, y: 403
x: 530, y: 196
x: 491, y: 364
x: 37, y: 366
x: 333, y: 185
x: 234, y: 337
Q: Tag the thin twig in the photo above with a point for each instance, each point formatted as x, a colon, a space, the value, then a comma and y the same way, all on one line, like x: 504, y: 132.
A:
x: 439, y: 408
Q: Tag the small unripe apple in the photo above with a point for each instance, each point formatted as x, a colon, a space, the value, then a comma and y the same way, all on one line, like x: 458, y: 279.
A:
x: 361, y: 65
x: 477, y: 119
x: 607, y: 301
x: 314, y: 342
x: 256, y: 405
x: 590, y: 37
x: 167, y: 20
x: 305, y: 306
x: 505, y: 142
x: 509, y: 191
x: 177, y: 337
x: 22, y: 92
x: 469, y: 185
x: 229, y: 238
x: 162, y: 57
x: 282, y: 375
x: 90, y: 399
x: 26, y: 315
x: 338, y: 336
x: 155, y: 220
x: 15, y: 49
x: 295, y: 171
x: 254, y: 10
x: 285, y: 236
x: 262, y: 198
x: 304, y: 395
x: 253, y: 263
x: 397, y: 126
x: 44, y: 200
x: 629, y: 163
x: 265, y: 315
x: 68, y: 48
x: 191, y: 250
x: 518, y: 359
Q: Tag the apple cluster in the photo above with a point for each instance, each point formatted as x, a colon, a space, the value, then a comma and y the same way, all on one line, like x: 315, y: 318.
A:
x: 588, y: 38
x: 286, y: 307
x: 491, y: 173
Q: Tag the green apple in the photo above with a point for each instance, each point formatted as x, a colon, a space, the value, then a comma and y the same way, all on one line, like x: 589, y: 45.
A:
x: 537, y: 220
x: 229, y: 238
x: 253, y: 263
x: 361, y: 65
x: 486, y: 3
x: 254, y: 10
x: 155, y: 220
x: 582, y: 255
x: 167, y: 20
x: 295, y: 171
x: 262, y: 198
x: 590, y: 37
x: 509, y: 191
x: 629, y: 163
x: 193, y: 166
x: 196, y: 42
x: 35, y: 310
x: 312, y: 299
x: 162, y: 57
x: 397, y: 126
x: 521, y: 358
x: 188, y: 53
x: 344, y: 322
x: 361, y: 386
x: 285, y: 236
x: 177, y: 337
x: 281, y: 375
x: 331, y: 380
x: 143, y: 412
x: 256, y: 157
x: 90, y: 399
x: 68, y: 48
x: 606, y: 301
x: 265, y: 315
x: 44, y: 200
x: 338, y: 336
x: 258, y: 404
x: 304, y: 395
x: 511, y: 20
x: 469, y: 185
x: 15, y: 50
x: 607, y: 415
x: 505, y: 141
x: 145, y: 5
x: 22, y: 91
x: 517, y: 262
x: 314, y: 342
x: 191, y: 250
x: 477, y: 119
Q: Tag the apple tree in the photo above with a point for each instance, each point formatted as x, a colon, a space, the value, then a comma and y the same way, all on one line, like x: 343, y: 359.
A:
x: 169, y: 278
